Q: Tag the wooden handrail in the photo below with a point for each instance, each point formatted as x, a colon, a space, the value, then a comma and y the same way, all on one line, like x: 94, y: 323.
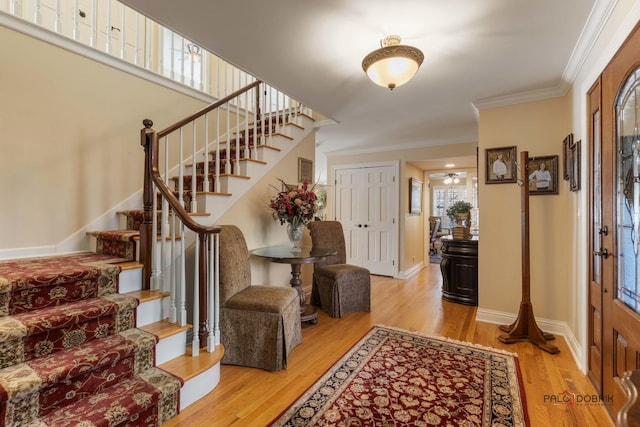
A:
x: 207, y: 109
x: 151, y: 137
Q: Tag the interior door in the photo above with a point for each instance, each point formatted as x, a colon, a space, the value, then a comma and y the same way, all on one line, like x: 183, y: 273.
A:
x: 619, y: 253
x: 366, y: 205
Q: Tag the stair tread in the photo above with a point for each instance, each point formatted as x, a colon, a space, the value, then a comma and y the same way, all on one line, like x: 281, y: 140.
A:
x: 187, y: 366
x: 125, y: 400
x: 164, y: 328
x: 145, y: 295
x: 130, y: 265
x: 120, y: 234
x: 28, y: 271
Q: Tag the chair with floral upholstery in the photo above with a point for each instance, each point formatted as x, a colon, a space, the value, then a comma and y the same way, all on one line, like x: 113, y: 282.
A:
x: 338, y: 288
x: 259, y: 325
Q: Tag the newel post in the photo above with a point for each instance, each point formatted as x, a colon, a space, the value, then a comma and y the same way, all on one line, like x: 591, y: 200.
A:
x: 147, y: 139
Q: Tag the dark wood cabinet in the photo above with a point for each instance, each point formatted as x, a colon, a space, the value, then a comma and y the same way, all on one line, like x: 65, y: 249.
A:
x: 459, y: 268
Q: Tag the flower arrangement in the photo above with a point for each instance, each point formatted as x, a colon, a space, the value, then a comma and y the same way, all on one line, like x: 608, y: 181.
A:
x: 294, y: 205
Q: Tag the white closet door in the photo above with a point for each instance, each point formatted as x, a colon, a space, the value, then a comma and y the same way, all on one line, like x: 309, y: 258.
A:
x: 366, y: 205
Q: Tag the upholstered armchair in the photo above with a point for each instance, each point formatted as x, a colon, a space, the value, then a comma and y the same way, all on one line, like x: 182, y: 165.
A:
x: 338, y: 288
x: 259, y: 325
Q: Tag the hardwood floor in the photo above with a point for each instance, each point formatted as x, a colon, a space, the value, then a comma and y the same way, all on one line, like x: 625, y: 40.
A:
x: 252, y: 397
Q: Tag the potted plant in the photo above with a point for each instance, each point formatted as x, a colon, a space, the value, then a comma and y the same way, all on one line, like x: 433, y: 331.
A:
x: 460, y: 212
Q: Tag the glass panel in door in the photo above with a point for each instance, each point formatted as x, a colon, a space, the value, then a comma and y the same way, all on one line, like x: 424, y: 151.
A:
x: 628, y: 192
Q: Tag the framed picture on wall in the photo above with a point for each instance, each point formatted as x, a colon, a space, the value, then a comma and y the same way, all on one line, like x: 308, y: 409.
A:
x: 543, y: 175
x: 574, y: 174
x: 566, y: 156
x: 500, y: 165
x: 415, y: 196
x: 305, y: 170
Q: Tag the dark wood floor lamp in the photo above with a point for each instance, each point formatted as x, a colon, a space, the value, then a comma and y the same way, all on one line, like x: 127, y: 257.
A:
x: 525, y: 327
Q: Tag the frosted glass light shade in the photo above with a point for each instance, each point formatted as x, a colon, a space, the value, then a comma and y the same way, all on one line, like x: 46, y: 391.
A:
x: 393, y: 64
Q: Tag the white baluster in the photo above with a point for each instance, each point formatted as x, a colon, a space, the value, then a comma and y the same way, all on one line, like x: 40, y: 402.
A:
x: 216, y: 183
x: 173, y: 311
x: 195, y: 344
x: 109, y: 28
x: 123, y: 32
x: 136, y: 55
x: 206, y: 152
x: 216, y: 290
x: 148, y: 62
x: 227, y: 163
x: 182, y: 62
x: 194, y: 171
x: 181, y: 169
x: 183, y: 280
x: 13, y: 9
x: 37, y: 17
x: 154, y: 252
x: 76, y: 13
x: 93, y: 39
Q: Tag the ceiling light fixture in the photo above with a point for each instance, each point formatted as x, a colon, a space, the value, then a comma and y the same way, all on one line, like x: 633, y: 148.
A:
x: 452, y: 178
x: 194, y: 52
x: 393, y: 64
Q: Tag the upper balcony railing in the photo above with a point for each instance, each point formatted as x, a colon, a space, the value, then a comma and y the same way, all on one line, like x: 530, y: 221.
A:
x: 119, y: 31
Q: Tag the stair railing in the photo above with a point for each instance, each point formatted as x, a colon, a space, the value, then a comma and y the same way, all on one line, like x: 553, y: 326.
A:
x: 206, y: 326
x: 223, y: 134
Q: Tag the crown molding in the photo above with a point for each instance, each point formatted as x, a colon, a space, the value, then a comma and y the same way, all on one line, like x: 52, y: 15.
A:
x: 600, y: 14
x: 592, y: 29
x: 521, y: 98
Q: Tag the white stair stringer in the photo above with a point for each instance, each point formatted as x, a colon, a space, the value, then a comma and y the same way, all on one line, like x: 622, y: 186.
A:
x: 171, y: 347
x: 216, y: 206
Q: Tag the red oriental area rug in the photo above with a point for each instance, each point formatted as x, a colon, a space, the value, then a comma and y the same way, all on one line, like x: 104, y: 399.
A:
x: 393, y: 377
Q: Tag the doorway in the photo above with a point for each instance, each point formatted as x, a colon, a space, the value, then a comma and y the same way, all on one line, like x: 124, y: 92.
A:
x: 614, y: 235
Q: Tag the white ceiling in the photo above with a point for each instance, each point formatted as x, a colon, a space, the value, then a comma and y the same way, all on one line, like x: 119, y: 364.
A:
x: 476, y: 52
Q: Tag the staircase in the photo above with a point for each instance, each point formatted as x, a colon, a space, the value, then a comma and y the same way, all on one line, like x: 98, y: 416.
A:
x: 70, y: 351
x: 83, y: 339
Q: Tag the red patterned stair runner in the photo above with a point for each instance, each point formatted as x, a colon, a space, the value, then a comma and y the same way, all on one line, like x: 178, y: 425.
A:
x: 69, y: 350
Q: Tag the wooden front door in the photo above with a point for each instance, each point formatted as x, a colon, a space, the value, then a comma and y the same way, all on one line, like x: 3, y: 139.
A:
x: 614, y: 302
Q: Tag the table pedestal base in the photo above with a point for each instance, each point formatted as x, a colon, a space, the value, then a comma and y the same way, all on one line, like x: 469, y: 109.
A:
x: 308, y: 313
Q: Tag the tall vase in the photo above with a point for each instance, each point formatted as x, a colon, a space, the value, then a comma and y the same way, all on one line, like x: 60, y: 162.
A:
x: 294, y: 232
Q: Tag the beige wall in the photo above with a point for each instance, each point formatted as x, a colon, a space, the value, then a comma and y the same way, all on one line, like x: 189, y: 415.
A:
x: 70, y: 139
x: 414, y: 229
x: 252, y: 214
x: 539, y: 128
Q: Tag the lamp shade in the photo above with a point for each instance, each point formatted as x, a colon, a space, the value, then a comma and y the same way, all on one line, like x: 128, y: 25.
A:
x: 393, y: 64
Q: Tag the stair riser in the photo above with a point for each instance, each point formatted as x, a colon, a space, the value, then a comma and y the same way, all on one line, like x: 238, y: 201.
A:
x: 136, y: 256
x: 198, y: 387
x: 35, y: 298
x: 130, y: 280
x: 150, y: 312
x: 171, y: 347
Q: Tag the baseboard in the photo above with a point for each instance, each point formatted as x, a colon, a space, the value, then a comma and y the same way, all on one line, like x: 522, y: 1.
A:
x: 413, y: 270
x: 551, y: 326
